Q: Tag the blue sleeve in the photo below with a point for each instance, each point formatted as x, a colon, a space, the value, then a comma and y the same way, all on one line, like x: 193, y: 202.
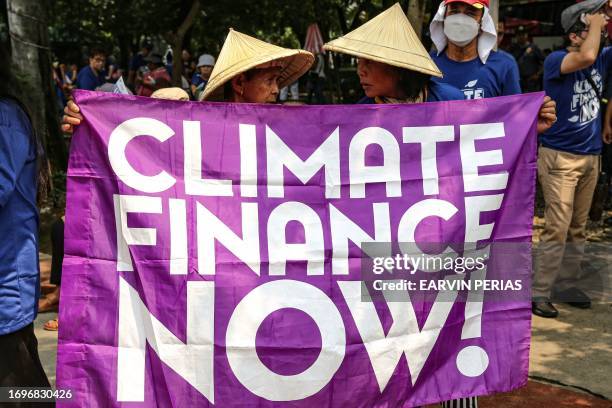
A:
x: 453, y: 94
x: 14, y: 147
x: 366, y: 100
x: 439, y: 91
x: 552, y: 65
x: 512, y: 83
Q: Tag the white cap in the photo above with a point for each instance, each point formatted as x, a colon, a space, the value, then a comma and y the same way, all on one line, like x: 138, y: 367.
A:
x: 206, y: 60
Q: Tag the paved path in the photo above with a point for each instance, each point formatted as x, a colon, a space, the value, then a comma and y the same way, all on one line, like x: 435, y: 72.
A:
x: 47, y: 345
x: 575, y: 348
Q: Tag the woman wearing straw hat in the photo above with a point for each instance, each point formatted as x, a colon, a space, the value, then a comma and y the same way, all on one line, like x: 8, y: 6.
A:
x: 247, y: 70
x: 393, y: 66
x: 253, y: 71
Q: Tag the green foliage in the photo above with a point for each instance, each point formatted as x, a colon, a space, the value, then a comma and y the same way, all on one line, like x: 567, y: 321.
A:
x: 75, y: 25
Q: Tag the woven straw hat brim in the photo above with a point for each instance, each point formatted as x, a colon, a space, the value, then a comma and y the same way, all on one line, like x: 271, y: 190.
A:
x: 388, y: 38
x: 383, y: 54
x: 295, y: 64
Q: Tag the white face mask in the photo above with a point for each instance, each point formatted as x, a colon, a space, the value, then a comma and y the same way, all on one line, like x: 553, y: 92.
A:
x: 460, y: 29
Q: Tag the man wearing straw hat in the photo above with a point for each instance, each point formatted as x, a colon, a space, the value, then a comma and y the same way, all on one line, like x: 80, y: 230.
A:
x: 248, y: 70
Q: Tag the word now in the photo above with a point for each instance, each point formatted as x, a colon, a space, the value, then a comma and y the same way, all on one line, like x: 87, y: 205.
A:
x: 193, y: 360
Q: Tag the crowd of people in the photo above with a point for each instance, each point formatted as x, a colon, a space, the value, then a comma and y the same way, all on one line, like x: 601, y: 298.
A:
x: 150, y: 71
x: 464, y: 65
x: 521, y: 63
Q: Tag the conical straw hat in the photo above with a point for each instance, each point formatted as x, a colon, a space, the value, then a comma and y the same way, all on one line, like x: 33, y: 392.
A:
x: 241, y: 52
x: 388, y: 38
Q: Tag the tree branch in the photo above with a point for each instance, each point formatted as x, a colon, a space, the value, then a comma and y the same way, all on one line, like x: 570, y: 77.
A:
x: 355, y: 22
x: 176, y: 39
x: 195, y: 8
x: 342, y: 20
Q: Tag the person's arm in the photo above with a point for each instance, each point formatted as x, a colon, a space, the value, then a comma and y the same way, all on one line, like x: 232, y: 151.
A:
x: 607, y: 132
x: 538, y: 53
x: 575, y: 61
x: 14, y: 148
x: 131, y: 77
x: 108, y: 75
x: 540, y: 58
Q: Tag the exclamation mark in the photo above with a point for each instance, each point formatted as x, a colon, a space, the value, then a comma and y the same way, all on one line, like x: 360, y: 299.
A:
x: 472, y: 361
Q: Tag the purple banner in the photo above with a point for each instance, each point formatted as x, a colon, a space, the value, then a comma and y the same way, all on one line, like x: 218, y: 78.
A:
x: 213, y: 252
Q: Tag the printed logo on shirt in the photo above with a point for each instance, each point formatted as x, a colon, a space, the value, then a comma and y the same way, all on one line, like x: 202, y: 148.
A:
x: 585, y: 104
x: 473, y: 93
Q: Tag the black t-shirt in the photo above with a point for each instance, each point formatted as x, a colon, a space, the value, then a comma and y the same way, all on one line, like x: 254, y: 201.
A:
x: 530, y: 60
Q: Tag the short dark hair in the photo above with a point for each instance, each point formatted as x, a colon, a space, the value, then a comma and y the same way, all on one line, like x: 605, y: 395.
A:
x: 577, y: 28
x: 412, y: 82
x: 96, y: 51
x: 228, y: 90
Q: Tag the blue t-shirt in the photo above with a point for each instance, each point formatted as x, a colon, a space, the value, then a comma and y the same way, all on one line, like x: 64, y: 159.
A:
x: 19, y: 272
x: 498, y: 77
x: 197, y: 79
x: 437, y: 92
x: 87, y: 79
x: 578, y: 128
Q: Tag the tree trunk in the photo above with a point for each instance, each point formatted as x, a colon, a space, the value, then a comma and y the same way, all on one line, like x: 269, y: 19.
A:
x: 416, y: 15
x: 125, y: 45
x: 30, y: 54
x: 176, y: 41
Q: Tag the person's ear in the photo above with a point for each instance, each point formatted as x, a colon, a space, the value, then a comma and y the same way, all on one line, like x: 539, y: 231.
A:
x: 572, y: 37
x: 238, y: 84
